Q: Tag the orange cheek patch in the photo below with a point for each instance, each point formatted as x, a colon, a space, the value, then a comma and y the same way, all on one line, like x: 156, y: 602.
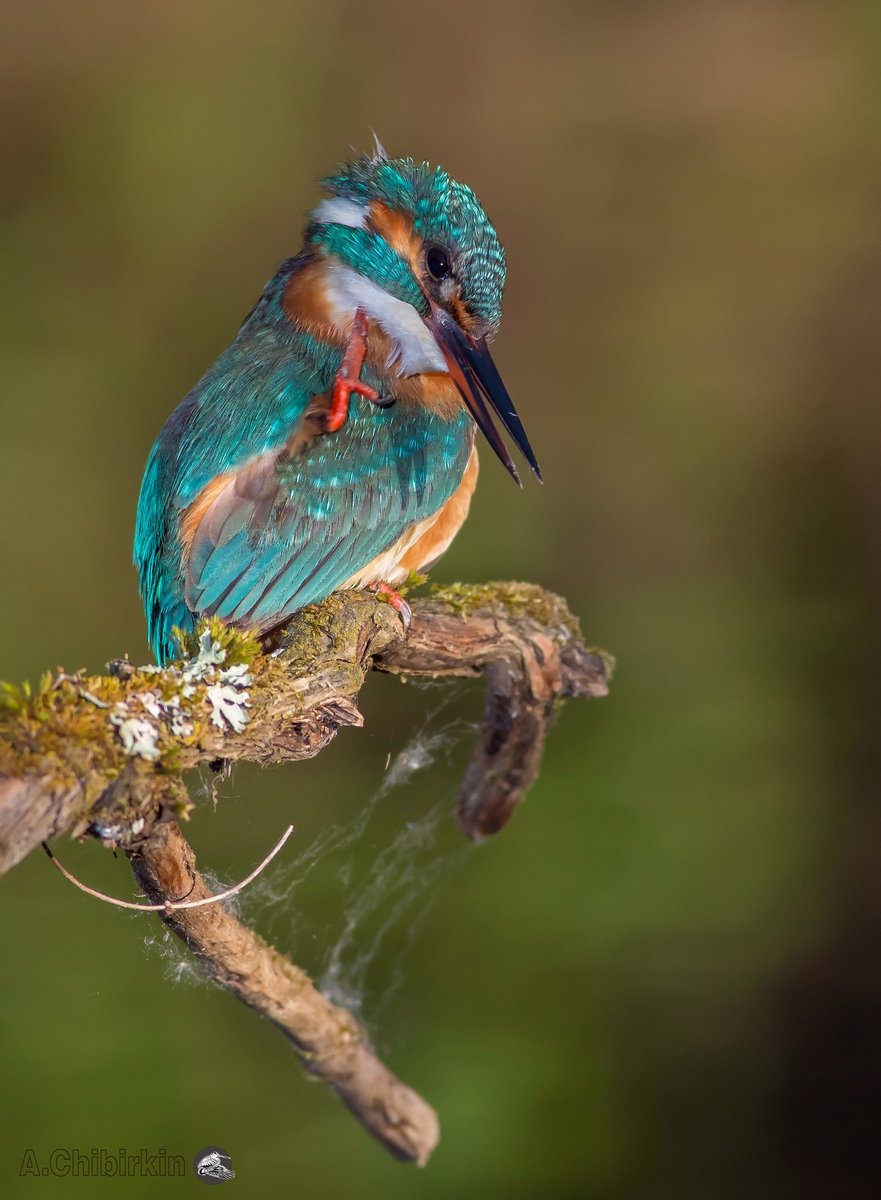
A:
x: 305, y: 303
x: 398, y: 232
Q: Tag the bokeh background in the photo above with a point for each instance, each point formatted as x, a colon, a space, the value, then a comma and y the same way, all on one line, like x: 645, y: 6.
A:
x: 662, y: 980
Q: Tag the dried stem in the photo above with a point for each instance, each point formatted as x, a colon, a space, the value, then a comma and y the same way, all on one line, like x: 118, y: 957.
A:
x: 171, y: 905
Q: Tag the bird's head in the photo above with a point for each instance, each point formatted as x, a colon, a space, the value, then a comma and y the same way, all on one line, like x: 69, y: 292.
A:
x: 416, y: 249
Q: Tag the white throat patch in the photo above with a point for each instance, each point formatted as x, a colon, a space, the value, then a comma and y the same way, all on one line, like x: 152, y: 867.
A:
x: 415, y: 350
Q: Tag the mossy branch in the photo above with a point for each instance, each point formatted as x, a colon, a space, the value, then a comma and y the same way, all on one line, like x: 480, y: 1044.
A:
x: 104, y: 755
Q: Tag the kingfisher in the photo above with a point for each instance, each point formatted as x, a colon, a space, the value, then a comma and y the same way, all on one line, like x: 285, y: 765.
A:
x: 332, y: 444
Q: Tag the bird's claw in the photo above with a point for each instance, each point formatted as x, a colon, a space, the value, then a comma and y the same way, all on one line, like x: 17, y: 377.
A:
x: 340, y: 396
x: 387, y: 594
x: 346, y: 381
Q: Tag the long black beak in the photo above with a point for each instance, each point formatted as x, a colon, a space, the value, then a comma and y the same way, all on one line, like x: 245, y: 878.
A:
x: 479, y: 382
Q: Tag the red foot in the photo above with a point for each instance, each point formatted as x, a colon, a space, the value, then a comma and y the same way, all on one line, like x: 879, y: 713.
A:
x: 346, y: 379
x: 386, y: 592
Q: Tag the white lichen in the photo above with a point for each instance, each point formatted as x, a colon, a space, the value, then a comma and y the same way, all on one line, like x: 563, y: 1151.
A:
x: 139, y: 736
x: 211, y: 653
x: 229, y: 705
x: 144, y: 717
x: 229, y: 697
x: 168, y: 711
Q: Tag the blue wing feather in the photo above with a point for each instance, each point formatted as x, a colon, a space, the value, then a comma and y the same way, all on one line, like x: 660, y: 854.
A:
x: 344, y: 500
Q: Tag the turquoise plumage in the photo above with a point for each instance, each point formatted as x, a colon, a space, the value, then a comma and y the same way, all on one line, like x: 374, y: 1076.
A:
x: 284, y: 474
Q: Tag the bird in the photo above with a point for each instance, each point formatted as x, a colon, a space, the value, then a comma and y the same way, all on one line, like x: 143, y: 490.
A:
x: 332, y: 445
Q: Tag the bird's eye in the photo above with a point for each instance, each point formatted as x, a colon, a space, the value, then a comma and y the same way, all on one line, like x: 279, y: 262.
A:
x: 438, y: 262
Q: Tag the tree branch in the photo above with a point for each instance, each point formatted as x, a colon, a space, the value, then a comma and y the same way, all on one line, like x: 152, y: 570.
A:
x: 104, y: 755
x: 330, y: 1043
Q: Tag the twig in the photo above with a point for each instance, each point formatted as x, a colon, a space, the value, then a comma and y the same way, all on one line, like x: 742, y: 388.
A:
x: 329, y: 1041
x: 171, y: 905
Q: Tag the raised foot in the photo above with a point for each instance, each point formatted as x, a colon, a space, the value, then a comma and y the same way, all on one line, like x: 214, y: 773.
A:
x: 385, y: 592
x: 346, y: 381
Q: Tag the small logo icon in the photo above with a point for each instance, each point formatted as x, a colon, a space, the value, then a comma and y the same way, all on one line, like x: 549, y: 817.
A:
x: 213, y: 1165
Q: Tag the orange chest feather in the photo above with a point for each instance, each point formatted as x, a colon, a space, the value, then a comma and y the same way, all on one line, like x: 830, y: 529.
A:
x: 428, y: 548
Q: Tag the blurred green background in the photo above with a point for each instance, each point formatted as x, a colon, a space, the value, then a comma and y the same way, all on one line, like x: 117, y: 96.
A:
x: 662, y: 979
